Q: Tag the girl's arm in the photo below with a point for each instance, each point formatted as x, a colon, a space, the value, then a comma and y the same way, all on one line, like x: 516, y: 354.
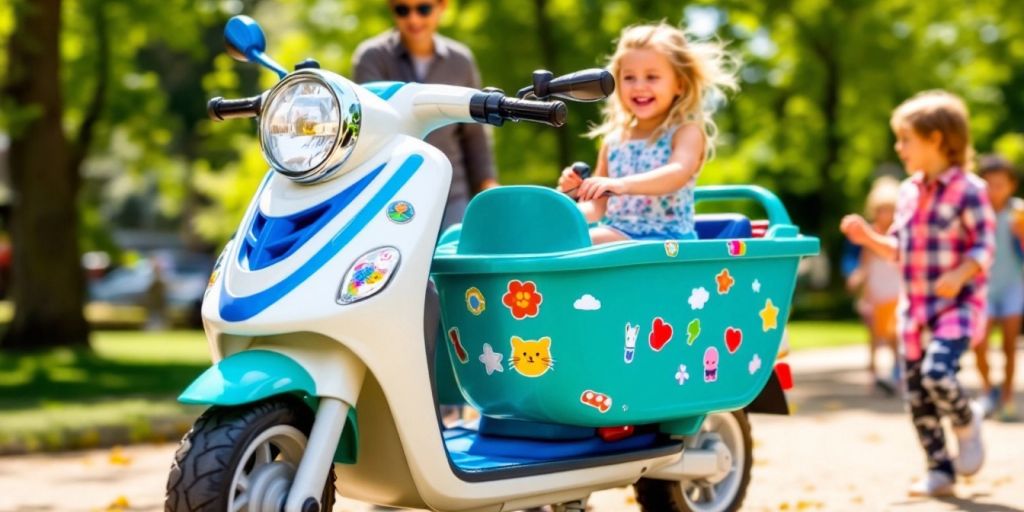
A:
x: 861, y: 233
x: 684, y: 162
x: 594, y: 209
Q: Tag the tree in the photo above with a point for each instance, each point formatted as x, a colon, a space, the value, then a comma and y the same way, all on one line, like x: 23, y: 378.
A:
x: 48, y: 282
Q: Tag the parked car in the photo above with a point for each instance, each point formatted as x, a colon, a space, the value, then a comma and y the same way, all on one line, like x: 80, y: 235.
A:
x: 183, y: 277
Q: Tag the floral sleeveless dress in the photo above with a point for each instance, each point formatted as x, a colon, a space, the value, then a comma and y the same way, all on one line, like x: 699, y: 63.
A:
x: 648, y: 217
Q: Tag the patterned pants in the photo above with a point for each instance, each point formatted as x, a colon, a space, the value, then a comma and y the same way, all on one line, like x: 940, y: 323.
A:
x: 933, y: 389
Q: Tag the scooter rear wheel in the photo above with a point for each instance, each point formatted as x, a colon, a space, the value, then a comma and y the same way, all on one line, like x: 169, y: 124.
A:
x: 721, y: 493
x: 241, y: 458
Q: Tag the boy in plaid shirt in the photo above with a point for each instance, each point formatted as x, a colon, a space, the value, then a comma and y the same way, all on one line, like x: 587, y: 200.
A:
x: 943, y: 240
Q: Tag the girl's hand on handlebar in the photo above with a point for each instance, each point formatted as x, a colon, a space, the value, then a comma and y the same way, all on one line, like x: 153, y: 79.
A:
x: 569, y: 182
x: 597, y: 187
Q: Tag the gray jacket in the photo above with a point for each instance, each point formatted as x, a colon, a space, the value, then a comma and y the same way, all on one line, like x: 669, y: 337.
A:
x: 468, y: 146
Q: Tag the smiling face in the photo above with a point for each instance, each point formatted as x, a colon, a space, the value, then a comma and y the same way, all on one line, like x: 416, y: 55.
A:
x: 647, y: 84
x: 531, y: 358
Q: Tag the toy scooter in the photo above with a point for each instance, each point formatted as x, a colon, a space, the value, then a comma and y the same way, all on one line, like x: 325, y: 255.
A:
x: 592, y: 366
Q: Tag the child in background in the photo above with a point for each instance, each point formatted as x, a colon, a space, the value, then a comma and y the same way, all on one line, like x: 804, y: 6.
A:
x: 657, y: 133
x: 943, y: 240
x: 1006, y: 286
x: 878, y: 280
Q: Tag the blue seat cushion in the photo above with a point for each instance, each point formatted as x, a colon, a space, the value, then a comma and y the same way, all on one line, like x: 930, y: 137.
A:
x: 532, y: 430
x: 722, y: 225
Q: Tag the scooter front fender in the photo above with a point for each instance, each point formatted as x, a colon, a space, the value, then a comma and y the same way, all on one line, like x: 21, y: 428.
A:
x: 253, y: 375
x: 249, y: 376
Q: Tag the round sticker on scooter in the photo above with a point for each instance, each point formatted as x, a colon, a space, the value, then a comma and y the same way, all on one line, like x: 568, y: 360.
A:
x: 401, y: 212
x: 368, y: 275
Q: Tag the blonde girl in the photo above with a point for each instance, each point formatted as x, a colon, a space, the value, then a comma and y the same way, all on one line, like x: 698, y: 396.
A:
x: 657, y: 132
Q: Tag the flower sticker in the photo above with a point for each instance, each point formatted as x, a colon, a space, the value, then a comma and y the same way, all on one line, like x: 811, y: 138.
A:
x: 725, y: 281
x: 671, y: 248
x: 754, y: 365
x: 522, y: 299
x: 698, y: 297
x: 756, y: 286
x: 682, y: 375
x: 475, y: 302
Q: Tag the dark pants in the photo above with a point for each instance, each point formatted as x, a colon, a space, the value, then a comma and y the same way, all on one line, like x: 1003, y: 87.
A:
x: 934, y: 391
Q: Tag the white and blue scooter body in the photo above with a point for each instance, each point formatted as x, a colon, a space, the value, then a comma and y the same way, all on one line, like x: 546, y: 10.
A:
x: 323, y: 293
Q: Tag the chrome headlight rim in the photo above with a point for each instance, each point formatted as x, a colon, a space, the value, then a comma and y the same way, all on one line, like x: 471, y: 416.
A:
x: 350, y: 118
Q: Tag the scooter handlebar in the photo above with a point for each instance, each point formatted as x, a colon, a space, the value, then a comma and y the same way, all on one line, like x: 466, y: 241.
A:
x: 220, y: 109
x: 495, y: 108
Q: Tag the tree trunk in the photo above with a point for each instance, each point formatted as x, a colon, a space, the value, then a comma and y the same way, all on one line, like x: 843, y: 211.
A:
x: 48, y: 281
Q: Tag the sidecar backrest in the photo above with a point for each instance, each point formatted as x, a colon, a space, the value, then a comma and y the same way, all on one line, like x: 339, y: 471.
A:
x: 722, y: 225
x: 522, y: 220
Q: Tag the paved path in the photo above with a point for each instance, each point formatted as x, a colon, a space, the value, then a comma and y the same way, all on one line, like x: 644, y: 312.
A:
x: 845, y: 449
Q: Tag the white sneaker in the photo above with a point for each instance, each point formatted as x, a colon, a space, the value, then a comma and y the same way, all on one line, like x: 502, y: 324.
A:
x: 989, y: 402
x: 934, y: 483
x: 971, y: 452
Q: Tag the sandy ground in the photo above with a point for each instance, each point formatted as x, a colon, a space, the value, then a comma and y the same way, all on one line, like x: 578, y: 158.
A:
x: 847, y: 448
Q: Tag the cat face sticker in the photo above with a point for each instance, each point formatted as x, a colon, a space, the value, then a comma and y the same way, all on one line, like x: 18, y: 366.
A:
x: 632, y: 331
x: 531, y: 358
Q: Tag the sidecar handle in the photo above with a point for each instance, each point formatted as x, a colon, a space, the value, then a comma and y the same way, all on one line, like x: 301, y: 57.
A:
x: 220, y: 109
x: 777, y: 213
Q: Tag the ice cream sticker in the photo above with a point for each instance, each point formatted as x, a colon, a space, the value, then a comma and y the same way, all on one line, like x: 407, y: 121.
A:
x: 596, y: 400
x: 711, y: 365
x: 632, y: 331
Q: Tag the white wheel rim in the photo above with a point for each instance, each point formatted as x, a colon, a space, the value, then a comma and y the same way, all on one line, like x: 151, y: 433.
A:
x: 266, y: 468
x: 703, y: 495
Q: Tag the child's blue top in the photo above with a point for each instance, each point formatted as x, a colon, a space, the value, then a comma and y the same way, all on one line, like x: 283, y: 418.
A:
x: 1006, y: 269
x: 668, y: 216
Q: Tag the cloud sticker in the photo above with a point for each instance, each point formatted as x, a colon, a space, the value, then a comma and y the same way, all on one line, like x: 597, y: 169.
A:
x: 587, y: 303
x: 699, y: 297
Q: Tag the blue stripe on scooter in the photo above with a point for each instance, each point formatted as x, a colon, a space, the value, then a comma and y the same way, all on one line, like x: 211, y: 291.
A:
x: 236, y: 309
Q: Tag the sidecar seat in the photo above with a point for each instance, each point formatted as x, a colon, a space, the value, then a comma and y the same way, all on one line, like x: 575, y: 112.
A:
x: 522, y: 220
x: 722, y: 225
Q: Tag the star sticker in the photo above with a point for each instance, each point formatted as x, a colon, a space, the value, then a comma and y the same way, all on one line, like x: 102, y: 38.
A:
x: 725, y: 281
x: 682, y: 375
x: 756, y: 286
x: 491, y: 360
x: 769, y: 316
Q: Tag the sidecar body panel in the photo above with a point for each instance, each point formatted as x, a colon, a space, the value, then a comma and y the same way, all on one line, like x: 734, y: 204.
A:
x: 617, y: 334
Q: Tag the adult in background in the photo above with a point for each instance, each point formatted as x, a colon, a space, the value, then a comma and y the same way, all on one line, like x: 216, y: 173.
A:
x: 415, y: 52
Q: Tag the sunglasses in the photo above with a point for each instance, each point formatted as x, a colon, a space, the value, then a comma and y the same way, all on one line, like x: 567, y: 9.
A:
x: 404, y: 10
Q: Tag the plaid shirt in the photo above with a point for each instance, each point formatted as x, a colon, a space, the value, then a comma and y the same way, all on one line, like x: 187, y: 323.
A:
x: 938, y: 225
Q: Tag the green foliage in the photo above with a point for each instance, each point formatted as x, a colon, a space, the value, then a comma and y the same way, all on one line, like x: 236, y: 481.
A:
x: 819, y: 80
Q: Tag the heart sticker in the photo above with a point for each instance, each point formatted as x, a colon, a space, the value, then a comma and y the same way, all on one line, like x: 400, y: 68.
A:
x: 733, y: 339
x: 661, y: 334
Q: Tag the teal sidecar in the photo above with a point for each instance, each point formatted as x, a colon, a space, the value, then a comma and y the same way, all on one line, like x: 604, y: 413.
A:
x: 542, y: 326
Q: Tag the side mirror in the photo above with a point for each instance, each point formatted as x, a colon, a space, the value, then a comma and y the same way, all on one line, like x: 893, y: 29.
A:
x: 245, y: 42
x: 588, y: 85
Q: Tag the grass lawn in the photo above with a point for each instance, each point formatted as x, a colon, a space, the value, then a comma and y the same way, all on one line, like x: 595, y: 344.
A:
x: 77, y: 398
x: 125, y: 388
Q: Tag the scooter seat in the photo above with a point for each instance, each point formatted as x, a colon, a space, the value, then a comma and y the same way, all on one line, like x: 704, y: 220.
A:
x: 522, y: 220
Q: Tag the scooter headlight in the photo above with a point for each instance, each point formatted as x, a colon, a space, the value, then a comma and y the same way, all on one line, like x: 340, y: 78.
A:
x: 309, y: 126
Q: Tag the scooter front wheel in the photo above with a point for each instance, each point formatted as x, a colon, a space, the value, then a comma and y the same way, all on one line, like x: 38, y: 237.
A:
x: 244, y: 458
x: 727, y: 433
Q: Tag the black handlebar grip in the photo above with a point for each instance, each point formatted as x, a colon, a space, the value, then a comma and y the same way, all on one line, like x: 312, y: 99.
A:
x: 220, y: 109
x: 548, y: 112
x: 582, y: 169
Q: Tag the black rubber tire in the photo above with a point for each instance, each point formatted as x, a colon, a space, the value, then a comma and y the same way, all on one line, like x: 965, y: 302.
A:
x: 209, y: 453
x: 667, y: 496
